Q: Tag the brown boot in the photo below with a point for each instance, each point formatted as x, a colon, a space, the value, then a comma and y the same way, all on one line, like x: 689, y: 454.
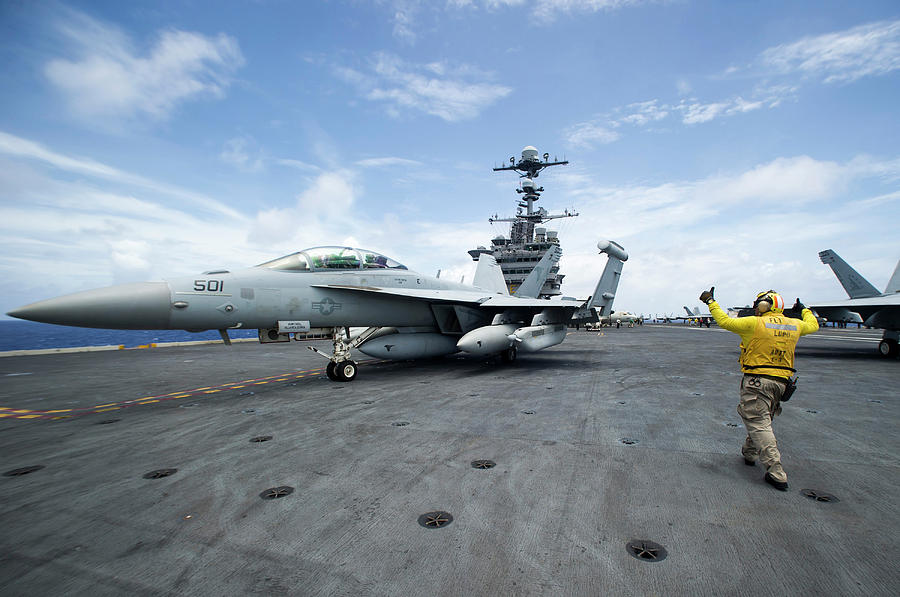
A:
x: 779, y: 485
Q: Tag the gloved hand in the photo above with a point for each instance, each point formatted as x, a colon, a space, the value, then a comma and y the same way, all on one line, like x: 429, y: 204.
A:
x: 707, y: 295
x: 798, y: 306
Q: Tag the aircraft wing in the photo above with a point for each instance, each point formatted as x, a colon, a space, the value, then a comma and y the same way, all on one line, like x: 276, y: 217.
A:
x: 449, y: 296
x: 511, y: 301
x: 478, y: 297
x: 876, y: 311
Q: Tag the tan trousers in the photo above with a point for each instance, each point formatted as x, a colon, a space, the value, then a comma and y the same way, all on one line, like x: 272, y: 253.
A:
x: 760, y: 404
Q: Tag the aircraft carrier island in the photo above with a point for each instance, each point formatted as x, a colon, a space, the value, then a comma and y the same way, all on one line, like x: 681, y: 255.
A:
x: 609, y: 464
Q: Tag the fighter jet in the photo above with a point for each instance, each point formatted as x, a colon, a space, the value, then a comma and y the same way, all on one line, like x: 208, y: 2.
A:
x: 620, y: 317
x: 866, y: 304
x: 405, y: 315
x: 695, y: 315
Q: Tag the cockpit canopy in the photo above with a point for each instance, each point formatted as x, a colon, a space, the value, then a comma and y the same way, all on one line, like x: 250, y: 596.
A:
x: 324, y: 259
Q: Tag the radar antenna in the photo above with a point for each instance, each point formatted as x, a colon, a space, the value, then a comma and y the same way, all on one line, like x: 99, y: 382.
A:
x: 529, y: 167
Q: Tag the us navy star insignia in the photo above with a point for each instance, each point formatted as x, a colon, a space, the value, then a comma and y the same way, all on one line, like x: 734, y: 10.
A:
x: 326, y: 306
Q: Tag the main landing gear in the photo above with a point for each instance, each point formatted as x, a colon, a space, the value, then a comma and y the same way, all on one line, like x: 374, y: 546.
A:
x: 889, y: 348
x: 509, y: 355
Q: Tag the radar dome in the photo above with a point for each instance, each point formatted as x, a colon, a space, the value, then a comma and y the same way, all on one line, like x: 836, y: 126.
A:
x: 530, y: 154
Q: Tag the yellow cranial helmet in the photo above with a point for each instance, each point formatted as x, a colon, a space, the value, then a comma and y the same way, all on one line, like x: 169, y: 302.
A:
x: 769, y: 300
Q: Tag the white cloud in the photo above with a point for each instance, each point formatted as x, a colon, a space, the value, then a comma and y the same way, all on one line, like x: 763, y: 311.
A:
x: 866, y: 50
x: 792, y: 180
x: 106, y: 77
x: 23, y: 148
x: 438, y: 89
x: 299, y: 165
x: 643, y: 113
x: 387, y: 161
x: 549, y: 10
x: 695, y: 113
x: 324, y: 209
x: 608, y: 128
x: 403, y: 24
x: 684, y: 87
x: 587, y: 134
x: 237, y: 152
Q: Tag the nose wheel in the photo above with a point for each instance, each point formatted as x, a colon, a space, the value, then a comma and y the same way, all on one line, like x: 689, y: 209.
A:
x: 343, y: 371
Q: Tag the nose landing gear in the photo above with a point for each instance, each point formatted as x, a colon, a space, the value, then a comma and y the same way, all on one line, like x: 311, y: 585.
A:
x: 342, y: 371
x: 340, y: 366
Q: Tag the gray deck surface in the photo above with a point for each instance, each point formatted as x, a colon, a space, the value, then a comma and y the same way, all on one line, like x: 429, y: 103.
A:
x: 552, y: 518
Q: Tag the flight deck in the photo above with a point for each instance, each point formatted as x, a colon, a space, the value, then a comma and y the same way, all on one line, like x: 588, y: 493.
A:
x: 609, y: 464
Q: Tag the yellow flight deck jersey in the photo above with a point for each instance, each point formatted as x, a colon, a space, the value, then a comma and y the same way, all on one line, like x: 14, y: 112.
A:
x: 767, y: 340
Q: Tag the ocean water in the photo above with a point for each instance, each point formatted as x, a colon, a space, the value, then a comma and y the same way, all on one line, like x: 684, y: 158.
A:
x: 28, y: 335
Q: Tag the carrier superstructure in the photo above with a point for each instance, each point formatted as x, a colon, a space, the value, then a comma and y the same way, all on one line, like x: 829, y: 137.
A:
x: 528, y: 240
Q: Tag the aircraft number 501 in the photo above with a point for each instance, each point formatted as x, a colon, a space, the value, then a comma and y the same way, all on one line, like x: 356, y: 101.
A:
x: 209, y: 285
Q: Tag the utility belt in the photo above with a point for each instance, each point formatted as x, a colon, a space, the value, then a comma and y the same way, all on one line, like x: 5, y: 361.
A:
x: 789, y: 382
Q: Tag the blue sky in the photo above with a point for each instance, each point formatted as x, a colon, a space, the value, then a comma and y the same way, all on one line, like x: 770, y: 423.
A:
x: 720, y: 143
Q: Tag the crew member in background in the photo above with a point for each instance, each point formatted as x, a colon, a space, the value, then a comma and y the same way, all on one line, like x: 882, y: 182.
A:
x: 768, y: 339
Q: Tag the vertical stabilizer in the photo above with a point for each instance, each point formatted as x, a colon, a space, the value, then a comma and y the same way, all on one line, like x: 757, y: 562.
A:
x: 489, y: 276
x: 855, y: 285
x: 605, y: 292
x: 531, y: 286
x: 894, y: 283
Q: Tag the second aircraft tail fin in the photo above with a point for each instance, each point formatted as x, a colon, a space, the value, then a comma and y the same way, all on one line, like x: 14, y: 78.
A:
x: 855, y: 285
x: 488, y: 275
x: 894, y: 283
x: 531, y: 285
x: 605, y: 292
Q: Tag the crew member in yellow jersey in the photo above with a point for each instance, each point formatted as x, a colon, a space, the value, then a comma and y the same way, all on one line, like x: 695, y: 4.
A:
x: 768, y: 339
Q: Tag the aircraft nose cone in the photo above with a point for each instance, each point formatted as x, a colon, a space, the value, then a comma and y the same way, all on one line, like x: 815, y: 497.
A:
x: 141, y: 306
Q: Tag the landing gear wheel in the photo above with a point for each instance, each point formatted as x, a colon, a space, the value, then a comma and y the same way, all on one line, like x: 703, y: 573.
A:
x: 888, y: 348
x: 508, y: 355
x: 330, y: 371
x: 345, y: 371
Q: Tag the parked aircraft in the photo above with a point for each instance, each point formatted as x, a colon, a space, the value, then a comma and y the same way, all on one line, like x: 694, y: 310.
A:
x: 620, y: 317
x: 406, y: 315
x: 701, y: 318
x: 875, y: 309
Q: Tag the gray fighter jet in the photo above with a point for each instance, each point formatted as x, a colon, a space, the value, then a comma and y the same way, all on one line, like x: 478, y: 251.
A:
x: 866, y: 304
x: 405, y: 315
